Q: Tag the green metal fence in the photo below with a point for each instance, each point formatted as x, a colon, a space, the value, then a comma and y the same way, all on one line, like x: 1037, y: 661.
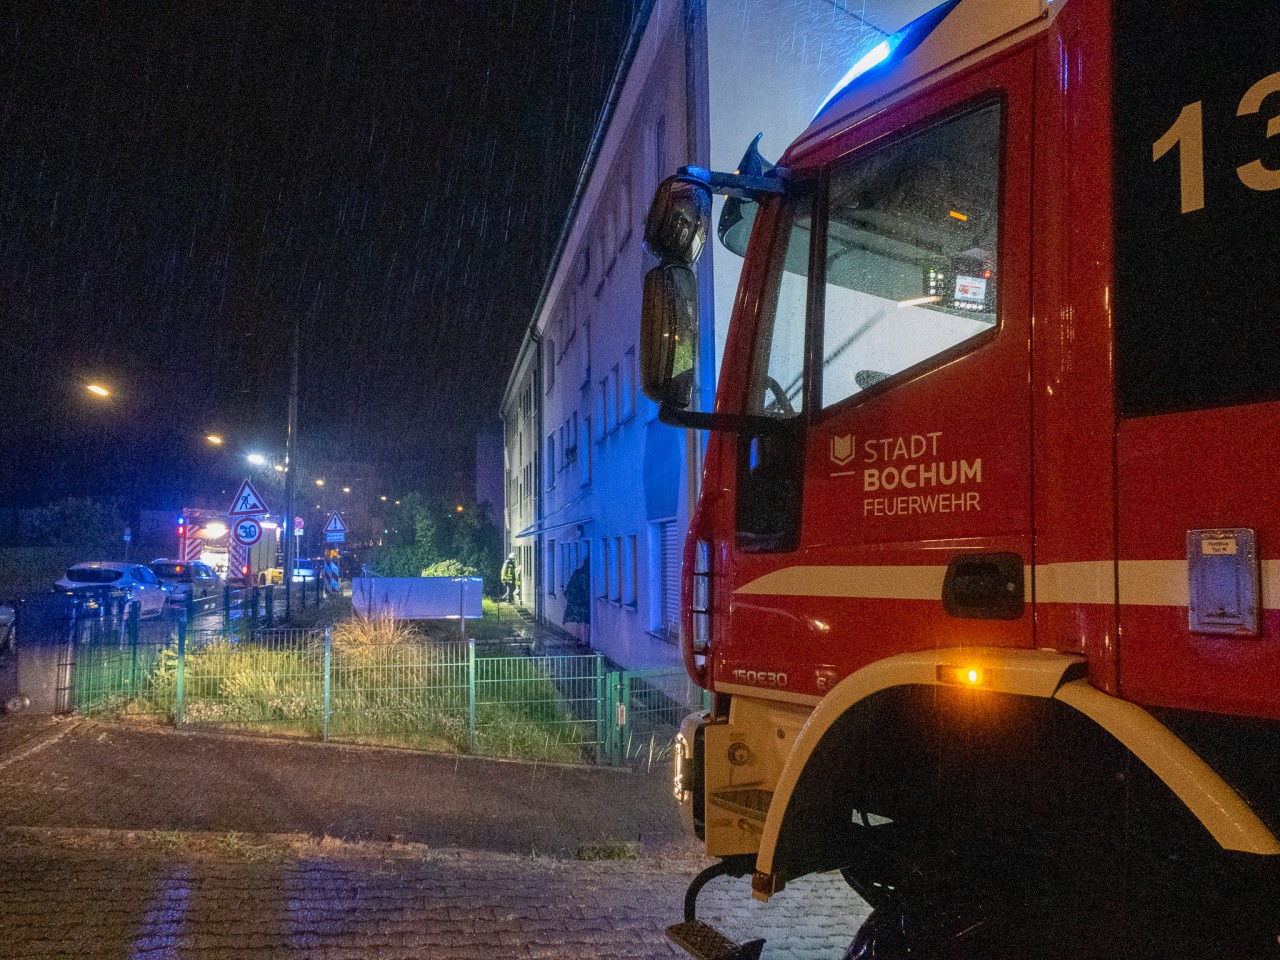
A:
x: 416, y: 693
x: 116, y: 661
x: 644, y: 708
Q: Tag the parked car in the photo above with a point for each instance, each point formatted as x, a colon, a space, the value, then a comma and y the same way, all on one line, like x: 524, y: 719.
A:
x: 187, y: 582
x: 304, y: 571
x: 107, y: 582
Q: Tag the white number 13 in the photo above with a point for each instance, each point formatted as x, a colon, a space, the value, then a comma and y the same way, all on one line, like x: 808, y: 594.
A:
x: 1188, y: 133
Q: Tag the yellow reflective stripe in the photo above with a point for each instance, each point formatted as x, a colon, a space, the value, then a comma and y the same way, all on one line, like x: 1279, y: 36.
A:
x: 866, y: 583
x: 1089, y: 581
x: 1153, y: 583
x: 1143, y: 583
x: 1210, y: 798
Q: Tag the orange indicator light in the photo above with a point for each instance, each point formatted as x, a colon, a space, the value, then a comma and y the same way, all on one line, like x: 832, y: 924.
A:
x: 962, y: 676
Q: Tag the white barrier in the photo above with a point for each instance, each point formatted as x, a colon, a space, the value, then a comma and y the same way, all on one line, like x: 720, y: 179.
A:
x: 418, y: 598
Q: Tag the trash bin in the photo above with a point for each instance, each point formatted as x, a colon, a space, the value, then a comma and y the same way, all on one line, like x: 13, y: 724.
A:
x: 43, y: 650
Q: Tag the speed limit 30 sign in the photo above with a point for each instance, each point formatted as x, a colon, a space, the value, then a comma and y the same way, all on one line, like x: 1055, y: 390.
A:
x: 247, y: 531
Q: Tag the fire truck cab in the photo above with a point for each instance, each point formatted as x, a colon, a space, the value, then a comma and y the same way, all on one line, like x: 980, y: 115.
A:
x: 984, y: 577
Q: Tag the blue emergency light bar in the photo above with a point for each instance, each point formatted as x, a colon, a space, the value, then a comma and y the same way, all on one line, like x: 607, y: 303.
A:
x: 887, y: 51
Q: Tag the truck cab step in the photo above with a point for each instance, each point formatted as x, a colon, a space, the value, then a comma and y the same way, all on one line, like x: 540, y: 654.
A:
x: 750, y: 802
x: 705, y: 942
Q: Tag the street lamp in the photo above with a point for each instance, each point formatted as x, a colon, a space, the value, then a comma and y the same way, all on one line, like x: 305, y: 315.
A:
x: 98, y: 389
x: 214, y: 439
x: 257, y: 459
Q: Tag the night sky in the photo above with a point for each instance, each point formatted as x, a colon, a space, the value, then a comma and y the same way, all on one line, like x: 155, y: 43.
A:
x: 182, y: 182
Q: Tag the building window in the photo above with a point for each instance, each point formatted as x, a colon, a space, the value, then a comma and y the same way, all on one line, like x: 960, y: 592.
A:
x: 569, y: 325
x: 602, y: 407
x: 549, y: 362
x: 605, y: 569
x: 627, y: 386
x: 666, y: 611
x: 584, y: 464
x: 624, y: 212
x: 611, y: 399
x: 615, y: 584
x: 551, y: 568
x: 629, y: 571
x: 551, y: 461
x: 660, y: 150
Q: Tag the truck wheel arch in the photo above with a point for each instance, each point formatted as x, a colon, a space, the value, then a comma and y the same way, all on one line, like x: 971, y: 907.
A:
x: 1043, y: 674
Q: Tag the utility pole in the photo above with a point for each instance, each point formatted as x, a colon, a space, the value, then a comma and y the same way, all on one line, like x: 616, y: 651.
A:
x: 290, y: 455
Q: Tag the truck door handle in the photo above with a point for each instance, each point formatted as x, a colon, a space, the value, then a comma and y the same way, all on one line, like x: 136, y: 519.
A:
x: 984, y: 586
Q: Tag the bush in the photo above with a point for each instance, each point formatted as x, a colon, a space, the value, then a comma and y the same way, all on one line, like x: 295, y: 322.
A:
x: 450, y: 568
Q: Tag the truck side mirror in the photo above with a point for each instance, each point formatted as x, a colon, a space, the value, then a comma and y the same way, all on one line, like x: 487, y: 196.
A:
x: 676, y: 227
x: 669, y: 334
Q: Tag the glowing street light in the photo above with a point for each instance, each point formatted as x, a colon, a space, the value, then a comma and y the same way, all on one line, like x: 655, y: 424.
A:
x: 257, y: 459
x: 214, y: 439
x: 98, y: 390
x: 346, y: 489
x: 320, y: 483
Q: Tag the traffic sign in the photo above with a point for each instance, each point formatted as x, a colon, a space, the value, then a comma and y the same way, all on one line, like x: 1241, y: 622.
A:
x: 297, y: 523
x: 247, y: 503
x: 247, y: 531
x: 335, y: 531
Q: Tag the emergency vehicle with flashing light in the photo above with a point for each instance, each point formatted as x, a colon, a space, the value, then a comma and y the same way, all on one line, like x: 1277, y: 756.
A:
x: 984, y: 577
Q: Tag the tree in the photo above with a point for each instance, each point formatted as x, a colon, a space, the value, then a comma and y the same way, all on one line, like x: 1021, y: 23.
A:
x: 94, y: 525
x: 437, y: 531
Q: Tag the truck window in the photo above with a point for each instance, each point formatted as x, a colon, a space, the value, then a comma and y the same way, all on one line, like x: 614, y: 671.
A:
x: 911, y: 252
x: 777, y: 370
x: 770, y: 464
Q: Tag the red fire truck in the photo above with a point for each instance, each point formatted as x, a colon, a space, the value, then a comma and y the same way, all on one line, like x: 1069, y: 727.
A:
x: 985, y: 572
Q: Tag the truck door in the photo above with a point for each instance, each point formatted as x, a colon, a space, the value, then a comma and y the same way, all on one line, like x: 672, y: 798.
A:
x: 894, y: 513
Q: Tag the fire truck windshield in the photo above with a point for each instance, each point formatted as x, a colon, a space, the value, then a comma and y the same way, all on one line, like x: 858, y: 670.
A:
x: 911, y: 251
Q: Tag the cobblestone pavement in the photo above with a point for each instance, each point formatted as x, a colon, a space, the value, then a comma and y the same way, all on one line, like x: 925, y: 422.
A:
x: 135, y: 842
x: 151, y: 904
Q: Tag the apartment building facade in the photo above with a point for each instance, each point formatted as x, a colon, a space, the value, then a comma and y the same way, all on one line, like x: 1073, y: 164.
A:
x: 593, y: 481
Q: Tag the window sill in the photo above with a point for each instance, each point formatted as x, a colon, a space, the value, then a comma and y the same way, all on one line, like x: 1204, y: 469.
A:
x: 664, y: 637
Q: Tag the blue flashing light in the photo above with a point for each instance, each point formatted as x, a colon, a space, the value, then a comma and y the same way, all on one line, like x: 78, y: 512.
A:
x: 898, y: 45
x: 182, y: 521
x: 872, y: 58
